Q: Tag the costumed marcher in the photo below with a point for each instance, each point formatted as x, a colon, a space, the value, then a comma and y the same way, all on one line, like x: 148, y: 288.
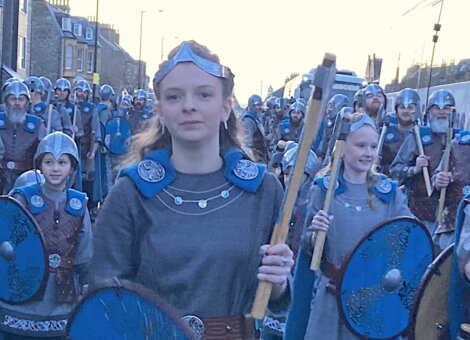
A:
x: 149, y: 106
x: 408, y: 111
x: 334, y: 134
x: 188, y: 176
x: 312, y: 167
x: 362, y: 199
x: 268, y: 118
x: 67, y: 108
x: 457, y: 184
x: 48, y: 97
x: 105, y: 112
x: 407, y: 167
x: 63, y: 104
x: 89, y: 145
x: 254, y: 130
x: 40, y: 108
x: 63, y: 219
x: 138, y: 113
x: 20, y: 134
x: 374, y: 103
x: 358, y: 103
x: 4, y: 86
x: 291, y: 127
x: 334, y: 106
x: 273, y: 132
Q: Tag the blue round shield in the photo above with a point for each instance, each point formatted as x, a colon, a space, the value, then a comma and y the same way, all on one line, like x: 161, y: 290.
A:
x: 118, y: 135
x: 380, y: 278
x: 124, y: 311
x: 23, y: 260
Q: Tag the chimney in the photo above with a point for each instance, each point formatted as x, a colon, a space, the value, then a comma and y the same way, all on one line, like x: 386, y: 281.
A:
x: 61, y: 4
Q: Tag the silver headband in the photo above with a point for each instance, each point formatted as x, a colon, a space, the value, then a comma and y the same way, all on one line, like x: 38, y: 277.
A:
x: 186, y: 54
x: 365, y: 120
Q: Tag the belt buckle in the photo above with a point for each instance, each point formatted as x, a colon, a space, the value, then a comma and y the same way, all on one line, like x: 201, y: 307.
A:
x: 195, y: 325
x: 54, y: 260
x: 331, y: 288
x: 11, y: 165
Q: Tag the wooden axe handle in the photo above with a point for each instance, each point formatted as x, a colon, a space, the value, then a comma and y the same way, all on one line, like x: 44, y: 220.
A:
x: 427, y: 179
x: 446, y: 160
x: 320, y: 234
x: 281, y: 228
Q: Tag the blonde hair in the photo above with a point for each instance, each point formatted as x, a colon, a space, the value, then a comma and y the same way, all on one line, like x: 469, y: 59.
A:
x: 154, y: 136
x: 372, y: 174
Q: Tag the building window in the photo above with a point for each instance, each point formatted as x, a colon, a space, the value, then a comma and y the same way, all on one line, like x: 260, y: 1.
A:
x: 24, y: 6
x: 90, y: 61
x: 80, y: 59
x: 67, y: 24
x: 77, y: 30
x: 89, y: 34
x: 21, y: 52
x: 68, y: 57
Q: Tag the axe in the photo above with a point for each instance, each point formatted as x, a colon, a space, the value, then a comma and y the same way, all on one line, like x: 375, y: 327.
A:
x: 323, y: 81
x: 338, y: 153
x: 383, y: 133
x: 419, y: 143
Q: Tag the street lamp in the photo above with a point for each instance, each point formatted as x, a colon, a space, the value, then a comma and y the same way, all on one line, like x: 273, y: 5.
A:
x: 95, y: 60
x: 139, y: 77
x: 162, y: 47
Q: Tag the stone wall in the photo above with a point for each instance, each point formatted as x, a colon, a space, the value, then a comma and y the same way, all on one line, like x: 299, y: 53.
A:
x: 46, y: 43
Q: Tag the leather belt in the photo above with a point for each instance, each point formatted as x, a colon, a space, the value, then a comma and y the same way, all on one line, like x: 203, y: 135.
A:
x: 234, y: 327
x: 60, y: 262
x: 16, y: 165
x: 333, y: 272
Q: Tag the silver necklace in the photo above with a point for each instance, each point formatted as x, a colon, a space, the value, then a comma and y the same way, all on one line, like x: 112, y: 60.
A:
x: 352, y: 206
x: 202, y: 203
x: 198, y: 192
x: 202, y: 212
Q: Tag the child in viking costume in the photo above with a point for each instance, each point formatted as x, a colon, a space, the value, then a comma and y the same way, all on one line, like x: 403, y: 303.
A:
x: 191, y: 215
x: 362, y: 199
x: 63, y: 220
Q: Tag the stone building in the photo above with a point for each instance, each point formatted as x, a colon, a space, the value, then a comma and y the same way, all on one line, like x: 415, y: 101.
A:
x: 15, y: 38
x: 41, y: 38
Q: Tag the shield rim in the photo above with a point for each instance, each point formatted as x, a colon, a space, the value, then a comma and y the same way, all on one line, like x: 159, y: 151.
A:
x: 346, y: 261
x: 118, y: 284
x: 428, y: 275
x: 105, y: 131
x: 45, y: 277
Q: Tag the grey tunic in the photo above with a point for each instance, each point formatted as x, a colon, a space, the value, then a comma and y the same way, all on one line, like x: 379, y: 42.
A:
x: 349, y: 226
x: 202, y: 261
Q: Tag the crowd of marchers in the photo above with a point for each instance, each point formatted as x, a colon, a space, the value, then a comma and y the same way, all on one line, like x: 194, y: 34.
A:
x: 114, y: 187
